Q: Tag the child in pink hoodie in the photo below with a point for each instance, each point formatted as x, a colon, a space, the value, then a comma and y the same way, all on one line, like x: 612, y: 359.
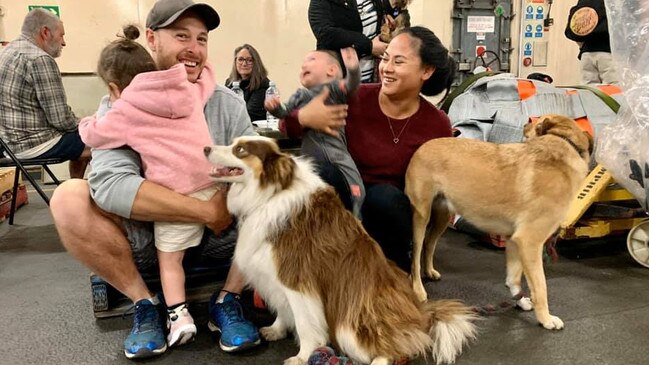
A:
x: 160, y: 116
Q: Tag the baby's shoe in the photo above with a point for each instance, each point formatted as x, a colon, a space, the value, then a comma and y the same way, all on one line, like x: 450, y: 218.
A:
x: 180, y: 324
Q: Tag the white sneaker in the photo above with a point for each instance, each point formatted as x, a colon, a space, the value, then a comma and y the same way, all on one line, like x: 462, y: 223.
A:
x: 181, y: 326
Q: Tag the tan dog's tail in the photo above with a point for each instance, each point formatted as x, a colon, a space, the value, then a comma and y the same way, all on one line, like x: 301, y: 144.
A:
x: 451, y: 328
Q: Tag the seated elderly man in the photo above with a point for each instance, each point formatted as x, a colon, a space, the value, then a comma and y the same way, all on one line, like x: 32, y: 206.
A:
x: 36, y: 119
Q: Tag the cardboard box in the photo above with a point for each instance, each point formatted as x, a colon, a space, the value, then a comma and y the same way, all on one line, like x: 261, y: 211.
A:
x: 5, y: 201
x: 7, y: 175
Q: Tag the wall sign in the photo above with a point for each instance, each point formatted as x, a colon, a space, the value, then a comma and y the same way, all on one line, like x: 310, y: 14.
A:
x: 481, y: 24
x: 53, y: 8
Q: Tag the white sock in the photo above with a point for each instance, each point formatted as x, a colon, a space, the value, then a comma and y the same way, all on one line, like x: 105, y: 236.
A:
x: 154, y: 300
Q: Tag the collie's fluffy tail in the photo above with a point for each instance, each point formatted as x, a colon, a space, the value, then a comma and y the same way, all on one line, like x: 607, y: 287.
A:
x: 451, y: 327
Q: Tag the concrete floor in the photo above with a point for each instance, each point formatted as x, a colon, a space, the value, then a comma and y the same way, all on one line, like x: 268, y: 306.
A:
x: 596, y: 288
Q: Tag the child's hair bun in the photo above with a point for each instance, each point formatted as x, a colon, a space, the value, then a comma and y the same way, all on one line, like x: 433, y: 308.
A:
x: 131, y: 32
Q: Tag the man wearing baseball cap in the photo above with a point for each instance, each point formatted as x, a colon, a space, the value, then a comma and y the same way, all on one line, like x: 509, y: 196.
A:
x: 103, y: 233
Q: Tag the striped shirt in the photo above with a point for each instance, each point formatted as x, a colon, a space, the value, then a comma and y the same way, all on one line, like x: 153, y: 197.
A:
x: 33, y: 105
x: 369, y: 18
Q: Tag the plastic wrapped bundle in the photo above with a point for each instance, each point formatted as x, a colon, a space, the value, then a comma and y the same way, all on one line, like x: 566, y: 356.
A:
x: 623, y: 146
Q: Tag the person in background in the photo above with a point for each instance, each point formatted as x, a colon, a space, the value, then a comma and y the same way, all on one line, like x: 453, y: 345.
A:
x: 385, y: 124
x: 36, y: 119
x: 102, y: 222
x: 340, y: 24
x: 588, y: 26
x: 540, y: 77
x: 249, y: 70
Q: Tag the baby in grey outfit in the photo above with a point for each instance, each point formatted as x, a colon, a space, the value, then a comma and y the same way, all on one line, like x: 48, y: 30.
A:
x: 321, y: 69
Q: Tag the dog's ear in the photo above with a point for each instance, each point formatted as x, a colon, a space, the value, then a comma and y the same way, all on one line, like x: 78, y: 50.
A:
x: 591, y: 143
x: 278, y: 169
x: 544, y: 126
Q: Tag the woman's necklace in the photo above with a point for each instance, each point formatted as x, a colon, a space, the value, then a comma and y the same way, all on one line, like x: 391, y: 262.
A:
x: 395, y: 137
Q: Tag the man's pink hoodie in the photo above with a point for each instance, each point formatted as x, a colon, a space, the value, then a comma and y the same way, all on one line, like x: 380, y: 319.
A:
x: 160, y: 115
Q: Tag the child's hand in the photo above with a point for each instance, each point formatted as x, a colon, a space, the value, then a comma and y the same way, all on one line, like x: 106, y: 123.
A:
x: 350, y: 58
x: 272, y: 104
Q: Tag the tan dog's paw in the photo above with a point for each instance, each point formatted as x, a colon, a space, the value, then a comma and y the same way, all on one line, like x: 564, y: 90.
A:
x: 433, y: 274
x: 554, y: 323
x: 272, y: 334
x: 420, y: 293
x: 294, y: 361
x: 525, y: 304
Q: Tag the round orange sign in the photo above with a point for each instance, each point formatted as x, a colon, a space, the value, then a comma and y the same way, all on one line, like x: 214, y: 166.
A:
x: 583, y: 21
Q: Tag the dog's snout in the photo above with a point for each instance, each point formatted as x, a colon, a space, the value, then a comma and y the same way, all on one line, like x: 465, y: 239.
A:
x: 207, y: 150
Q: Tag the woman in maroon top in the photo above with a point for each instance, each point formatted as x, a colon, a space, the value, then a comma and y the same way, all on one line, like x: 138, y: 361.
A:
x: 385, y: 124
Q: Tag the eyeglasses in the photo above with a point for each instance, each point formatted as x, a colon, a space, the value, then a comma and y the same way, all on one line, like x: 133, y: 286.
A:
x: 242, y: 60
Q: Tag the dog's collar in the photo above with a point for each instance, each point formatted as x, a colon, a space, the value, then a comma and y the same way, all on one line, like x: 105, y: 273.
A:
x: 579, y: 150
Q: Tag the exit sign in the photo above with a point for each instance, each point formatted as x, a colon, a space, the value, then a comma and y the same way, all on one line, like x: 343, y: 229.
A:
x: 53, y: 8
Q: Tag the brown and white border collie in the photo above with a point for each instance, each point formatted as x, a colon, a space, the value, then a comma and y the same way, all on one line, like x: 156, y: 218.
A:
x: 316, y: 267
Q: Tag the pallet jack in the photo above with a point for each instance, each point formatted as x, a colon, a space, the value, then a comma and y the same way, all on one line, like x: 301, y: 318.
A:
x: 602, y: 208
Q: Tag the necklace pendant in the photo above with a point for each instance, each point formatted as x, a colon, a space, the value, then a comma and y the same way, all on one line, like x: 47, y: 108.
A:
x: 395, y: 140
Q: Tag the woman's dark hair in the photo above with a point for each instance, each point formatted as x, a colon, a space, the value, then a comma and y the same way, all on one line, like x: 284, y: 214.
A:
x: 259, y: 73
x: 433, y: 53
x: 124, y: 58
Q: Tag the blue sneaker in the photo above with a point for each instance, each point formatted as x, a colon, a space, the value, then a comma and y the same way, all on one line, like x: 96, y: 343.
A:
x: 237, y: 333
x: 147, y: 337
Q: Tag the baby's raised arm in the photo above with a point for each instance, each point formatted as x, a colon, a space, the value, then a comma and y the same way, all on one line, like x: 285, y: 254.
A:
x: 353, y: 79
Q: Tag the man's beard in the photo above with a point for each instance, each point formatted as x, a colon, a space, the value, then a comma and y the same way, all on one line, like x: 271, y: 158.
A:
x: 53, y: 48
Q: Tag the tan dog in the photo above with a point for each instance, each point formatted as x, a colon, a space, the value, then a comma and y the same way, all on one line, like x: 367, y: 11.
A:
x: 520, y: 190
x: 398, y: 10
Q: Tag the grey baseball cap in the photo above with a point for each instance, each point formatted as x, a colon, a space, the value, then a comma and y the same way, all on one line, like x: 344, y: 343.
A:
x: 165, y: 12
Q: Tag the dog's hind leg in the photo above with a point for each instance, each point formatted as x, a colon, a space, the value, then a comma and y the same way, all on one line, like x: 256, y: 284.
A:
x: 440, y: 216
x: 514, y: 276
x: 529, y: 241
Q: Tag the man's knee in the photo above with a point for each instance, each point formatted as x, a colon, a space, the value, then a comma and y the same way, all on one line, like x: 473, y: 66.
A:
x: 69, y: 201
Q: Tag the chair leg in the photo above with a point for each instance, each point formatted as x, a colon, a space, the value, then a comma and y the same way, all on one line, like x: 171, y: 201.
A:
x: 49, y: 172
x: 35, y: 184
x: 14, y: 197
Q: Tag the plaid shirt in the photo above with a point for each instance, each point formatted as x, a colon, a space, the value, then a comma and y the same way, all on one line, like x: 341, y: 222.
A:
x: 33, y: 105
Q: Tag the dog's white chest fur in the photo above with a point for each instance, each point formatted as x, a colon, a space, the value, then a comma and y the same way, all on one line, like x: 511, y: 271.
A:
x: 253, y: 256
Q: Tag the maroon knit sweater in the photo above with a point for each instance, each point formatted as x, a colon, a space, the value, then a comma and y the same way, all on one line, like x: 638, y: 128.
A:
x: 370, y: 141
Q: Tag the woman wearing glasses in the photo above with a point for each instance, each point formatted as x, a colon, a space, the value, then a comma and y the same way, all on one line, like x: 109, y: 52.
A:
x: 251, y: 73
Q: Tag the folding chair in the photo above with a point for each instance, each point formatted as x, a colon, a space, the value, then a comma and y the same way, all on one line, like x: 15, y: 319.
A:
x: 10, y: 160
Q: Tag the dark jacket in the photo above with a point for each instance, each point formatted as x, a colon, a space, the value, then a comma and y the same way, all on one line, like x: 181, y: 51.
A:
x: 336, y: 24
x: 254, y: 98
x: 598, y: 39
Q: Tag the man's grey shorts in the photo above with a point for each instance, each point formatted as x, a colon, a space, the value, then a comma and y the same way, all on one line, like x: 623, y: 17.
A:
x: 217, y: 248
